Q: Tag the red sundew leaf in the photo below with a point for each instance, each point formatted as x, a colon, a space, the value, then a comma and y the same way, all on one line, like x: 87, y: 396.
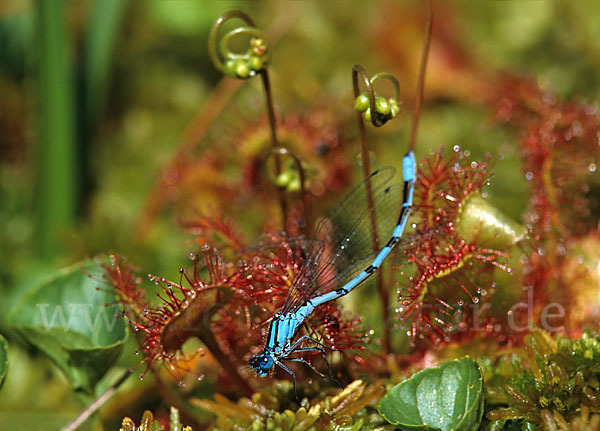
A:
x: 266, y: 272
x: 214, y: 229
x: 436, y: 303
x: 227, y: 306
x: 198, y: 312
x: 450, y: 272
x: 231, y: 177
x: 560, y: 154
x: 216, y: 301
x: 123, y: 278
x: 339, y: 330
x: 558, y: 144
x: 443, y: 183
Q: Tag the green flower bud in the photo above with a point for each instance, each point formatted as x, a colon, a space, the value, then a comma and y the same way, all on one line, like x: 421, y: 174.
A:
x: 361, y: 104
x: 283, y: 179
x: 255, y: 63
x: 255, y: 41
x: 368, y: 115
x: 242, y: 70
x: 229, y: 68
x: 382, y: 105
x: 294, y: 184
x: 394, y: 108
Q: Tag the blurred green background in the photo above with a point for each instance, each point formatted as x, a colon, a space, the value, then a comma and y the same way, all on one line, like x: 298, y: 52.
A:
x: 97, y: 96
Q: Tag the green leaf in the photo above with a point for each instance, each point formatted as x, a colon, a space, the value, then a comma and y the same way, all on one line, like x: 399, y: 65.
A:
x: 34, y: 419
x: 448, y: 397
x: 106, y: 19
x: 67, y: 319
x: 58, y: 177
x: 3, y: 358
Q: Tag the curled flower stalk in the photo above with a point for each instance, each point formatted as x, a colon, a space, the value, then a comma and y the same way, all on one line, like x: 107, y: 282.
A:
x: 377, y: 110
x: 246, y: 65
x: 239, y: 65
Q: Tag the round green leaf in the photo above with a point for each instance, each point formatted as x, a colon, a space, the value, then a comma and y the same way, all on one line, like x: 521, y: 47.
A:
x: 447, y: 397
x: 3, y: 358
x: 67, y: 318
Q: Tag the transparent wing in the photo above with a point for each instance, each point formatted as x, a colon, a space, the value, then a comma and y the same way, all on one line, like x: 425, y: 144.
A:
x: 348, y: 237
x: 303, y: 249
x: 266, y: 244
x: 332, y: 281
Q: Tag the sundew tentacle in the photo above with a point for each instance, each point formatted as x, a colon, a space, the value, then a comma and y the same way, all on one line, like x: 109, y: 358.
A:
x: 452, y: 273
x: 221, y: 303
x: 558, y: 146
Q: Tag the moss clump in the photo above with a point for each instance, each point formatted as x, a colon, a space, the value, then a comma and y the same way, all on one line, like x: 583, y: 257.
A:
x: 550, y: 381
x: 272, y: 409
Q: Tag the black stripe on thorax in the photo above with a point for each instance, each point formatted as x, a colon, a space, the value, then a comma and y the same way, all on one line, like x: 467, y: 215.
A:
x: 407, y: 185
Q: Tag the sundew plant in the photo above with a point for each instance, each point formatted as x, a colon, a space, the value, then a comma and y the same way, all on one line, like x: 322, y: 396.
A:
x: 300, y: 215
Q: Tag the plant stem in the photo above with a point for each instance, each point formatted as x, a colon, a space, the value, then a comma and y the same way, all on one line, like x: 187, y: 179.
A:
x: 194, y: 133
x: 307, y: 221
x: 421, y: 81
x: 384, y: 299
x: 264, y: 74
x: 92, y: 408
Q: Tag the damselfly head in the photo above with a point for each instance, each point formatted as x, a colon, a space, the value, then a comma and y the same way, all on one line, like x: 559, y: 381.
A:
x: 261, y: 363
